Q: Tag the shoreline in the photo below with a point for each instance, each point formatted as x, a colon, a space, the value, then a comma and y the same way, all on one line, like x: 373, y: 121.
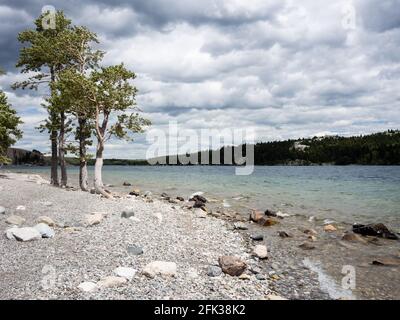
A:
x: 285, y: 271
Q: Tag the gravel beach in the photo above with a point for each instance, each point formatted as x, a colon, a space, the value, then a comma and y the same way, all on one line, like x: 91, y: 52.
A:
x: 54, y: 268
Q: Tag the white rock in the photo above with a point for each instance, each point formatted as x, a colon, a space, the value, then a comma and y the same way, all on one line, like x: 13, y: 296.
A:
x: 9, y: 233
x: 26, y: 234
x: 280, y: 214
x: 162, y: 268
x: 93, y: 219
x: 15, y: 220
x: 47, y: 203
x: 2, y: 210
x: 88, y: 286
x: 134, y: 219
x: 275, y: 297
x: 124, y: 272
x: 45, y: 230
x: 111, y: 281
x: 21, y: 208
x: 47, y: 220
x: 260, y: 251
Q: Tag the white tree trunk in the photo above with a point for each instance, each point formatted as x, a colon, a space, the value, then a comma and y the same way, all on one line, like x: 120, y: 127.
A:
x: 98, y: 167
x: 83, y: 177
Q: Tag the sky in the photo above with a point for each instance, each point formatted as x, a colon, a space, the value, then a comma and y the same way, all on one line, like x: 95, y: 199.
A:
x: 281, y: 68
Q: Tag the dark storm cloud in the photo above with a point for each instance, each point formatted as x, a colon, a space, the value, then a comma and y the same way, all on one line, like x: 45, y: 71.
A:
x: 379, y: 15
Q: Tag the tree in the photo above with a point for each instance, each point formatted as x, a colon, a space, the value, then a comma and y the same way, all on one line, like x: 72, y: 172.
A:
x: 9, y: 132
x: 68, y: 92
x: 45, y: 56
x: 112, y: 98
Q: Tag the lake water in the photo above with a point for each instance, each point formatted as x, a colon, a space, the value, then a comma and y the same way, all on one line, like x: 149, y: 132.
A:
x: 343, y: 193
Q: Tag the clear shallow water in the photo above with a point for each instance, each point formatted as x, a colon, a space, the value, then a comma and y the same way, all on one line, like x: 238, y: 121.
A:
x: 344, y: 193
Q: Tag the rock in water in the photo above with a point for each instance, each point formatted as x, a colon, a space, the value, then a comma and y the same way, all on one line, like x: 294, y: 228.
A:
x: 93, y: 219
x: 214, y: 271
x: 162, y: 268
x: 260, y: 251
x: 180, y: 199
x: 135, y: 192
x: 330, y: 228
x: 353, y: 237
x: 47, y: 220
x: 2, y: 210
x: 111, y: 281
x: 256, y: 215
x: 231, y: 265
x: 198, y: 198
x: 124, y: 272
x: 199, y: 204
x: 127, y: 213
x: 126, y: 184
x: 45, y: 230
x: 87, y: 286
x: 375, y: 229
x: 135, y: 250
x: 267, y: 222
x: 15, y: 220
x: 26, y: 234
x: 270, y: 213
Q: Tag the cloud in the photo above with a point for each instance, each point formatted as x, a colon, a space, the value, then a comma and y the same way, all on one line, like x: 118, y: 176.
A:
x: 287, y: 68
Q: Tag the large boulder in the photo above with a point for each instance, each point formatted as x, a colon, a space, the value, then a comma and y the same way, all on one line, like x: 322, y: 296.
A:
x: 231, y: 265
x: 162, y: 268
x: 375, y: 229
x: 26, y: 234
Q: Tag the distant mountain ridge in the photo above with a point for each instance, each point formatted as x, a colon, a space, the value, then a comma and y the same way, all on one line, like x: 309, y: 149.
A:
x: 381, y: 148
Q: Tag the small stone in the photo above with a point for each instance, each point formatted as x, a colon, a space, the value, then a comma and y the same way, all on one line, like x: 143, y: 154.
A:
x: 180, y: 199
x: 270, y: 213
x: 310, y: 232
x: 135, y: 192
x: 284, y: 234
x: 2, y: 210
x: 312, y: 238
x: 267, y: 222
x: 256, y: 215
x: 214, y: 271
x: 125, y: 272
x: 135, y: 250
x: 126, y: 184
x: 19, y: 208
x: 275, y: 297
x: 231, y: 265
x: 47, y: 203
x: 87, y: 286
x: 26, y: 234
x: 353, y: 237
x: 111, y: 281
x: 127, y: 213
x: 306, y: 246
x: 260, y: 277
x: 257, y: 237
x: 134, y: 219
x: 240, y: 226
x: 45, y: 230
x: 93, y: 219
x: 162, y: 268
x: 173, y: 201
x: 47, y: 220
x: 329, y: 228
x: 260, y: 251
x: 244, y: 276
x: 15, y: 220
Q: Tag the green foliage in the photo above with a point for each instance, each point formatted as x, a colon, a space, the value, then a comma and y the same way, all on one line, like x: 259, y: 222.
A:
x: 9, y: 132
